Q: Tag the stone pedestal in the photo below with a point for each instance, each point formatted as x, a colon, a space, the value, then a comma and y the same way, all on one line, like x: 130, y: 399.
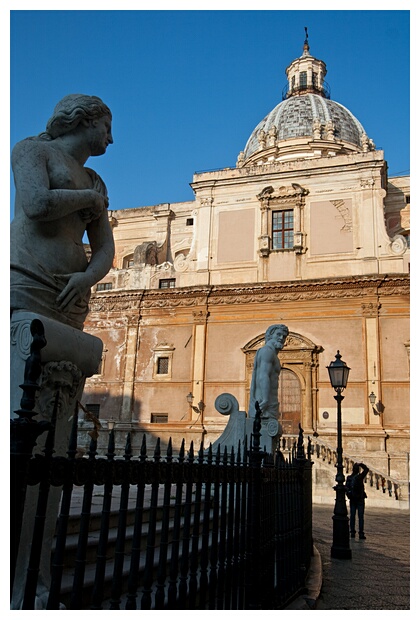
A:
x: 240, y: 426
x: 68, y: 358
x: 63, y: 343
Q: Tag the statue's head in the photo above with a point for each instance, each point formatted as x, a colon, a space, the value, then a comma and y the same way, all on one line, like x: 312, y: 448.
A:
x: 277, y: 333
x: 71, y: 110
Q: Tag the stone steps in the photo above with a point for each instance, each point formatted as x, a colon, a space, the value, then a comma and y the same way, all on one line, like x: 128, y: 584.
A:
x: 92, y: 545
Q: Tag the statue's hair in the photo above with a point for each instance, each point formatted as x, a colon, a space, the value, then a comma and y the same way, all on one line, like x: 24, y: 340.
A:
x: 70, y: 111
x: 270, y: 331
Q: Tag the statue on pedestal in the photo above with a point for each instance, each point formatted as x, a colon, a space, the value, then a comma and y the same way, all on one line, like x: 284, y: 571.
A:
x: 264, y: 390
x: 58, y: 201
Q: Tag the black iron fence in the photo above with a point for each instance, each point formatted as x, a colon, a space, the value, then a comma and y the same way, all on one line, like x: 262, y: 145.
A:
x: 193, y: 531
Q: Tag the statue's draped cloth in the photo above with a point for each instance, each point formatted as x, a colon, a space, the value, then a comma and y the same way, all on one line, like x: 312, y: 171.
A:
x: 33, y: 288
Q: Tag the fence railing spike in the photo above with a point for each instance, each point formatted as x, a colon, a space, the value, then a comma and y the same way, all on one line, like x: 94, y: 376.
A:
x: 156, y: 455
x: 182, y: 450
x: 143, y: 449
x: 169, y: 450
x: 128, y: 449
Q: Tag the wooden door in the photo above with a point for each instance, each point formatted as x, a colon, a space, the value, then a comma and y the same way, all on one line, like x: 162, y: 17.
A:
x: 290, y: 400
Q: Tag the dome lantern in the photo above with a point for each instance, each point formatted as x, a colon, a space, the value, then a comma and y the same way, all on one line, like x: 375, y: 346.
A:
x: 306, y: 75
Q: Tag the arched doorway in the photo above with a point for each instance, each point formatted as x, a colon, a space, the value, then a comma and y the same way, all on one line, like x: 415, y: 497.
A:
x: 290, y: 399
x: 298, y: 395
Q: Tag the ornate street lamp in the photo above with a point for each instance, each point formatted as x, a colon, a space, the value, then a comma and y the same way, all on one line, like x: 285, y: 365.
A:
x: 111, y: 424
x: 339, y: 373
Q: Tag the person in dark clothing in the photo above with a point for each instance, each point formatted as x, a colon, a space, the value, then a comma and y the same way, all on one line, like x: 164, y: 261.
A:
x: 355, y: 491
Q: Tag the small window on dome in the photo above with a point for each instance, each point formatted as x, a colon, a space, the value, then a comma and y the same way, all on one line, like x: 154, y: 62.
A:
x: 303, y: 79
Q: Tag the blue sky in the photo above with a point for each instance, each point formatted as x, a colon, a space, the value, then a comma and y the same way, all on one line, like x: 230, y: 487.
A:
x: 186, y: 88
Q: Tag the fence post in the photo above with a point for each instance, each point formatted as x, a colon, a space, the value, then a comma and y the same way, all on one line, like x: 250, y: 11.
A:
x: 253, y: 568
x: 24, y: 432
x: 305, y: 507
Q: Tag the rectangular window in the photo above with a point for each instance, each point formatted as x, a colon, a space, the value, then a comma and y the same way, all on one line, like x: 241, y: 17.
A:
x: 168, y: 283
x: 282, y: 230
x: 163, y: 365
x: 303, y: 79
x: 190, y: 221
x: 159, y: 418
x: 104, y: 286
x: 93, y: 408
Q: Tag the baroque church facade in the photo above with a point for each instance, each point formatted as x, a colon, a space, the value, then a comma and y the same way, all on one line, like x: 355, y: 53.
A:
x: 306, y: 230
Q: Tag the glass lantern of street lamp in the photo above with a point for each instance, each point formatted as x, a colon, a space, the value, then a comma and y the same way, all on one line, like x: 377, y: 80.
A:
x: 190, y: 398
x: 372, y: 398
x: 339, y: 373
x: 111, y: 424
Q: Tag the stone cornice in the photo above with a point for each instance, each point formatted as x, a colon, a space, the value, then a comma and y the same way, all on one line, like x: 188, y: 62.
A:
x: 314, y: 166
x: 206, y: 296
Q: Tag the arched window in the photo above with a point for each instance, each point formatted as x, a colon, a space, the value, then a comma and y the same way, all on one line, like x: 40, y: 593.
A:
x: 128, y: 261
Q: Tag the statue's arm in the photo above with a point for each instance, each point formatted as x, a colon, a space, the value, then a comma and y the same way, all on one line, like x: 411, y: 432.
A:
x: 33, y: 193
x: 103, y: 249
x: 102, y: 245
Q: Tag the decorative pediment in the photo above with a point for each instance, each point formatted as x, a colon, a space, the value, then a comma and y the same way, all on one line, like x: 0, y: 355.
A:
x: 294, y: 341
x: 285, y: 194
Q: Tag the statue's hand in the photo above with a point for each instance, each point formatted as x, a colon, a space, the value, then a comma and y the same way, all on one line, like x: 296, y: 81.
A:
x: 99, y: 204
x: 263, y: 405
x: 75, y: 290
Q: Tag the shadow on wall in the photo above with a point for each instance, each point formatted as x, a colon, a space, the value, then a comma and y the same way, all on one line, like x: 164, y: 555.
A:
x: 99, y: 412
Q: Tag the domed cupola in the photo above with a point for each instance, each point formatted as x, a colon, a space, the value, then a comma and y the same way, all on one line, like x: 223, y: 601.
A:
x: 306, y: 123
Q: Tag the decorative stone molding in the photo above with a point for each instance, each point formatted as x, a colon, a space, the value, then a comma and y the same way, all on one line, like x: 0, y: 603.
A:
x: 330, y: 130
x: 264, y: 245
x: 182, y: 262
x: 206, y: 201
x: 343, y: 288
x: 241, y: 159
x: 63, y: 377
x: 200, y: 316
x: 316, y: 128
x: 162, y: 211
x: 21, y: 338
x: 345, y: 213
x: 115, y: 302
x: 367, y: 183
x: 286, y: 197
x: 371, y: 309
x: 398, y: 245
x: 299, y: 243
x: 163, y: 350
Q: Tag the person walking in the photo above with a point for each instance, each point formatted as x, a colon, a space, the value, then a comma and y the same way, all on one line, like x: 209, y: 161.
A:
x: 355, y: 491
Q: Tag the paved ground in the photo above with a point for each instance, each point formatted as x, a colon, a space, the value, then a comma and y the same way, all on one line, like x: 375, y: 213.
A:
x: 378, y: 575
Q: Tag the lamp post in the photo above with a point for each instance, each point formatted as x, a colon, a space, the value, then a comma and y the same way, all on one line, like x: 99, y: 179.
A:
x: 339, y: 373
x: 198, y: 409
